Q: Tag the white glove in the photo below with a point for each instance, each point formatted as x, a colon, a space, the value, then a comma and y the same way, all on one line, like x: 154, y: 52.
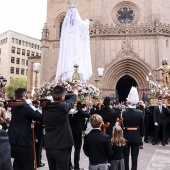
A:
x: 29, y: 102
x: 156, y: 124
x: 73, y: 111
x: 49, y: 98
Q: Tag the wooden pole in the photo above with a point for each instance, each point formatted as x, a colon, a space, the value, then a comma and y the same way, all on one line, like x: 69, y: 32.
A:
x: 34, y: 148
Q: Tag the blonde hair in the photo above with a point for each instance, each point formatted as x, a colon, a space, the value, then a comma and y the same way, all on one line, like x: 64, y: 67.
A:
x: 2, y: 113
x: 117, y: 136
x: 96, y: 120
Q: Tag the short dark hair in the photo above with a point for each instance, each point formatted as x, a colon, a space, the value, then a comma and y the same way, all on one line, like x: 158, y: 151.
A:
x: 19, y: 93
x: 106, y: 101
x: 58, y: 92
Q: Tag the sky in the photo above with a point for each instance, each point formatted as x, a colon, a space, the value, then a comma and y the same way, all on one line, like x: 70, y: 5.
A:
x: 23, y: 16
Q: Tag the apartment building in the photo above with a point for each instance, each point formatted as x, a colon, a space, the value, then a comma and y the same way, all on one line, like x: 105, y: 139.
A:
x: 15, y: 49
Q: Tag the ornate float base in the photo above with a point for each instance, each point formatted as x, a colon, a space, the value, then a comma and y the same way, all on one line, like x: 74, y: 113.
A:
x: 153, y: 101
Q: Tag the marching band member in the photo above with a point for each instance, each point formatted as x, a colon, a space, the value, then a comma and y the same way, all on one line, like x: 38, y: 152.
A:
x: 133, y: 123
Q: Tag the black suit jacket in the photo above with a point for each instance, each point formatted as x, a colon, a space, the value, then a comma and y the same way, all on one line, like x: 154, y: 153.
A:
x: 19, y: 131
x: 55, y: 117
x: 133, y: 118
x: 76, y: 121
x: 108, y: 115
x: 5, y: 151
x: 97, y: 147
x: 158, y: 116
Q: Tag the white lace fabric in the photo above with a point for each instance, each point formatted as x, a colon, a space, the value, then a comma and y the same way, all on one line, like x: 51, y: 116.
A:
x: 75, y: 41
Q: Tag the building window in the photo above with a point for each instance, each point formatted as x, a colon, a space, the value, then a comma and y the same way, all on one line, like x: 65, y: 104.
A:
x: 18, y: 61
x: 61, y: 24
x: 23, y: 52
x: 12, y: 70
x: 26, y: 62
x: 12, y: 59
x: 23, y: 43
x: 37, y: 54
x: 16, y: 41
x: 30, y: 45
x: 19, y: 42
x: 26, y: 44
x: 0, y: 51
x: 32, y: 53
x: 17, y: 70
x: 125, y: 13
x: 23, y: 61
x: 22, y: 71
x: 13, y: 50
x: 18, y: 50
x: 26, y: 72
x: 38, y: 47
x: 28, y: 53
x: 13, y: 40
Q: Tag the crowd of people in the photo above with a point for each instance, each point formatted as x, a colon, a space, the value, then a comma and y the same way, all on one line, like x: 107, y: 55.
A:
x: 60, y: 130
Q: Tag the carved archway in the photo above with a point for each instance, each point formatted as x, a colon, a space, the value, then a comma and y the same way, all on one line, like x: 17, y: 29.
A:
x: 126, y: 65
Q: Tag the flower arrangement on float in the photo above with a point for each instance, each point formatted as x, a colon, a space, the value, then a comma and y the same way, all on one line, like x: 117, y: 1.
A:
x: 164, y: 93
x: 87, y: 93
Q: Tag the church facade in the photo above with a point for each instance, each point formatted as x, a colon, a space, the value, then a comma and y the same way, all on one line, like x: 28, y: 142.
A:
x: 128, y: 39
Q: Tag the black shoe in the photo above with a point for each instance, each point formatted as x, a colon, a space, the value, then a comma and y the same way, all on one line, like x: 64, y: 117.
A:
x: 71, y: 167
x: 141, y: 147
x: 166, y: 143
x: 163, y: 144
x: 154, y: 143
x: 146, y: 141
x: 41, y: 165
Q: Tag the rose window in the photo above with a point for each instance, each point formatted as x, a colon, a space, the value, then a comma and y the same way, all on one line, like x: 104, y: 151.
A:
x: 125, y: 15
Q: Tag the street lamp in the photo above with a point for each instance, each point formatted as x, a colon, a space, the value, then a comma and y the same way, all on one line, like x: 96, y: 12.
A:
x: 36, y: 68
x: 100, y: 85
x: 3, y: 82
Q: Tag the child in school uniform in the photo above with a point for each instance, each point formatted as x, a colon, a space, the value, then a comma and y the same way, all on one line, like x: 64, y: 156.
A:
x: 118, y: 147
x: 97, y: 145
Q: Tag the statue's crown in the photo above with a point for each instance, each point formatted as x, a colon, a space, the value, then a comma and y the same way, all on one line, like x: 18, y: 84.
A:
x: 71, y: 4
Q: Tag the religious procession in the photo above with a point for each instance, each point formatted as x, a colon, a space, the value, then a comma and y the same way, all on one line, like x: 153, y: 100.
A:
x: 70, y: 112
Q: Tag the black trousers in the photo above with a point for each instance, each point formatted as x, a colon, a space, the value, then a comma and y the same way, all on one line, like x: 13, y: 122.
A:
x: 58, y: 159
x: 134, y: 155
x: 161, y: 127
x: 147, y: 124
x: 39, y: 141
x: 23, y: 157
x: 77, y: 147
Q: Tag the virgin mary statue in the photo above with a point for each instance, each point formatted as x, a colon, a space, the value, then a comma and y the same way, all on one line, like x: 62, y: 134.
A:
x: 74, y: 47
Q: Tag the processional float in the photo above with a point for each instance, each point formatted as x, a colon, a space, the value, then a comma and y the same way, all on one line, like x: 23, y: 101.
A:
x: 162, y: 90
x: 74, y: 63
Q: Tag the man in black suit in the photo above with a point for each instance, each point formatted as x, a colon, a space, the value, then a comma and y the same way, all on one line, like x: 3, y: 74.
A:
x: 133, y: 125
x: 109, y: 115
x: 20, y: 133
x: 160, y: 121
x: 76, y: 128
x: 58, y: 137
x: 97, y: 145
x: 5, y: 151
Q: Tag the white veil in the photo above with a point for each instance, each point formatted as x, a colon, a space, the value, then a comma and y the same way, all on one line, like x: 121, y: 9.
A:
x: 74, y: 47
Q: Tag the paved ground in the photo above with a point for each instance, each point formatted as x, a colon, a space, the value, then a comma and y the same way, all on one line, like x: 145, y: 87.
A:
x: 152, y: 157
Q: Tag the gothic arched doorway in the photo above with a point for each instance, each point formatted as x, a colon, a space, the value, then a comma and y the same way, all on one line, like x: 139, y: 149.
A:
x: 124, y: 85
